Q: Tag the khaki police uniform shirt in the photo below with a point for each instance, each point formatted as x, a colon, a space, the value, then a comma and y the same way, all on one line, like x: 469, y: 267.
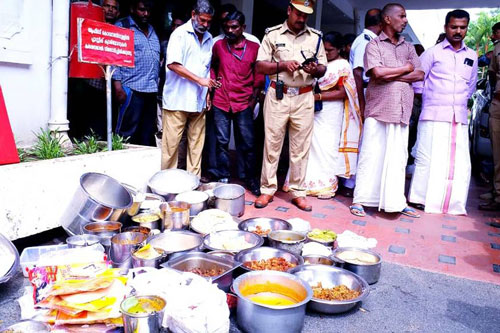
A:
x: 495, y: 68
x: 281, y: 44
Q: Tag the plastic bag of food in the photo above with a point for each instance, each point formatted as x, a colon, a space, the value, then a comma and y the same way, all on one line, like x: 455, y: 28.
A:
x: 194, y: 305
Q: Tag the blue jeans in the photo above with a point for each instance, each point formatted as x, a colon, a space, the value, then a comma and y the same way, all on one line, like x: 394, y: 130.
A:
x: 244, y: 137
x: 137, y: 120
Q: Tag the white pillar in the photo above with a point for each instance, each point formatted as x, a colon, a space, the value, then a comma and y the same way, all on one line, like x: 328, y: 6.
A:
x: 58, y: 120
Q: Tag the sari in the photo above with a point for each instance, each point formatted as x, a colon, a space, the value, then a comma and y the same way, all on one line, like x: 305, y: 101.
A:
x: 336, y: 134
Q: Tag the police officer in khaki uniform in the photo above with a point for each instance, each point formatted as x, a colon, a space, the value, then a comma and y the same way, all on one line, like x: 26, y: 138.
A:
x: 293, y: 55
x: 494, y: 77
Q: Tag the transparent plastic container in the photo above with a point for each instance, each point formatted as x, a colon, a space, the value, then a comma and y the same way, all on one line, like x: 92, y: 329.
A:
x: 30, y: 256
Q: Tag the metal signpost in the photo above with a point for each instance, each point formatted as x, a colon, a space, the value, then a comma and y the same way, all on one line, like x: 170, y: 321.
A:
x: 106, y: 45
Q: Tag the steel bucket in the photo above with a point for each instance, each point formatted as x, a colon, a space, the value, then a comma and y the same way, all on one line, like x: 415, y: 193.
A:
x: 122, y: 247
x: 230, y: 198
x: 147, y: 322
x: 98, y: 198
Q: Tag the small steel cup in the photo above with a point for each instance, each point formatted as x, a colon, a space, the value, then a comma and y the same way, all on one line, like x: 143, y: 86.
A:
x: 175, y: 215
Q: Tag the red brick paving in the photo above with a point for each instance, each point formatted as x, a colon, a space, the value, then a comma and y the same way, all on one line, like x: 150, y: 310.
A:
x: 423, y: 246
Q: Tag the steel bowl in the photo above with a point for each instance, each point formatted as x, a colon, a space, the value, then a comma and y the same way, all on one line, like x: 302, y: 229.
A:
x: 104, y: 230
x: 371, y: 273
x: 176, y: 243
x: 325, y: 243
x: 7, y: 247
x: 257, y: 317
x: 315, y: 259
x: 197, y: 199
x: 330, y: 277
x: 152, y: 262
x: 266, y: 223
x: 82, y: 240
x: 264, y: 252
x: 230, y: 198
x: 210, y: 241
x: 289, y: 240
x: 138, y: 228
x: 170, y: 182
x: 157, y: 223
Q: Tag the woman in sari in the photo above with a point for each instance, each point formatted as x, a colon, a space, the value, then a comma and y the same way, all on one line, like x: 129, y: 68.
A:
x: 337, y: 127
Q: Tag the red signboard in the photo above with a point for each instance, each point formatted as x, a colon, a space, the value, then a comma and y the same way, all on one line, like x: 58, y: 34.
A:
x: 106, y: 44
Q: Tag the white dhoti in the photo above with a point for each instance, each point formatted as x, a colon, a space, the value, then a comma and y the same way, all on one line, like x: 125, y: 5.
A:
x: 442, y: 167
x: 380, y: 178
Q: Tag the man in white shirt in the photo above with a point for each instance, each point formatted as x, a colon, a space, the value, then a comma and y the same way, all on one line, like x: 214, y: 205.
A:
x: 185, y: 95
x: 373, y: 27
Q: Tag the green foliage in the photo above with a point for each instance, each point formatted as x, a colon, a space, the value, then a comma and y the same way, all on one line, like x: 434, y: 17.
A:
x: 118, y: 142
x: 23, y: 154
x: 89, y: 145
x: 478, y: 36
x: 48, y: 145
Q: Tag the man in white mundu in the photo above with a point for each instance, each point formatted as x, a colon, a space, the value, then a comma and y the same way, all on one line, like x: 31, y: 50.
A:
x: 392, y: 65
x: 442, y: 163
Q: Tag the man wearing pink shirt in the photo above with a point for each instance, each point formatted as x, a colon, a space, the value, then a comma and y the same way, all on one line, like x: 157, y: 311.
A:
x: 442, y: 162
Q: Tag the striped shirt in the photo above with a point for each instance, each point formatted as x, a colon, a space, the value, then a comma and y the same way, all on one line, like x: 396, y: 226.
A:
x: 144, y: 76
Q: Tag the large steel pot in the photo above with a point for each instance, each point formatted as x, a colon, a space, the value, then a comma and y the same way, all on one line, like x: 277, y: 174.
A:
x: 257, y: 317
x: 98, y: 198
x: 230, y: 198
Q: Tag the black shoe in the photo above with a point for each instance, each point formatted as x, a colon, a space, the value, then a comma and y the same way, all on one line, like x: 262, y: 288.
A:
x: 254, y: 187
x: 417, y: 206
x: 346, y: 192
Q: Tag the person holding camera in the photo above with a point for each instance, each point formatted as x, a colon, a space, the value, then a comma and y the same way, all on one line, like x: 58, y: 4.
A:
x: 293, y: 56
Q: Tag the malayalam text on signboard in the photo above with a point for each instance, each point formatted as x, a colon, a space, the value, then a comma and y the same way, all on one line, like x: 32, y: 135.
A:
x: 106, y: 44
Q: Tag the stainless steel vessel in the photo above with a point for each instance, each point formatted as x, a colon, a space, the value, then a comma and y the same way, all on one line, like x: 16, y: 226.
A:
x: 230, y: 198
x: 256, y: 317
x: 98, y: 198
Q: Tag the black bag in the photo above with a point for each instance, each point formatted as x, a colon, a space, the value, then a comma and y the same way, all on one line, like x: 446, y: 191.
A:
x: 318, y: 105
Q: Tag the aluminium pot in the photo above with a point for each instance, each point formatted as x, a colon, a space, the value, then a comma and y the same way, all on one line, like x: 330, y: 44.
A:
x: 98, y: 198
x: 230, y: 198
x: 255, y: 317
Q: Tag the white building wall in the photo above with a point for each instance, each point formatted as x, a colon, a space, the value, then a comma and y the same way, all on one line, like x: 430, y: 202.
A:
x: 25, y: 68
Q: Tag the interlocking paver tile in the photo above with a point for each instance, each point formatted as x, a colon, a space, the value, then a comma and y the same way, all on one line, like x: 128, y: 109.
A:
x: 447, y: 259
x: 449, y: 227
x: 402, y: 230
x: 397, y: 249
x: 447, y: 238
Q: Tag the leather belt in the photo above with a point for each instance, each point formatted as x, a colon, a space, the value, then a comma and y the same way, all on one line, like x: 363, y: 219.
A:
x: 293, y: 91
